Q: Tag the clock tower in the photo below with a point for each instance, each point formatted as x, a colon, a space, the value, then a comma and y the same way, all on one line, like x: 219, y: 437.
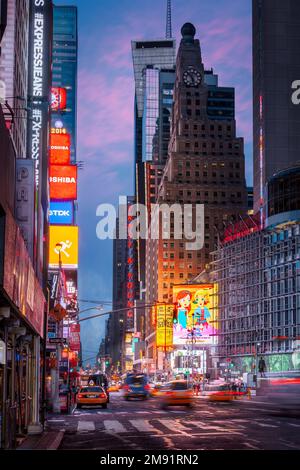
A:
x: 205, y: 165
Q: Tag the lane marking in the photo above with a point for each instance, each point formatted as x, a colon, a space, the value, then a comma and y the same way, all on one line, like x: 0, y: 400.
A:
x: 175, y: 426
x: 250, y: 446
x: 85, y: 426
x: 142, y: 425
x: 114, y: 426
x: 265, y: 425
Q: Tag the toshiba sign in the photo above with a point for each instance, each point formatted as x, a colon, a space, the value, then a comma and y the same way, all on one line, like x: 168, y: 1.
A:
x: 63, y: 182
x: 60, y: 149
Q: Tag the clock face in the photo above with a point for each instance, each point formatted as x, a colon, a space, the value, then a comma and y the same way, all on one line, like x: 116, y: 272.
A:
x: 192, y: 77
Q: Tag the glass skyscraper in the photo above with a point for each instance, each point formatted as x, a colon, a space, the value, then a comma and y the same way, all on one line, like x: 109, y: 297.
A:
x: 64, y: 73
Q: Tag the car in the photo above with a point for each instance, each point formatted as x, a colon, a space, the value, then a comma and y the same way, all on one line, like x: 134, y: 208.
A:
x: 113, y: 387
x: 176, y: 392
x: 136, y: 386
x: 92, y: 396
x: 222, y: 394
x: 284, y: 392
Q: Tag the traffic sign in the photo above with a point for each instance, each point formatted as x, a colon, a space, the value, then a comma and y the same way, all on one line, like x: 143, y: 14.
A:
x: 57, y: 340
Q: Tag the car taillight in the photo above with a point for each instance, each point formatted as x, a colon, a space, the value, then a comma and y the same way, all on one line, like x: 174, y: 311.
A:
x: 147, y: 387
x: 80, y: 395
x: 169, y: 393
x: 102, y: 395
x: 126, y: 387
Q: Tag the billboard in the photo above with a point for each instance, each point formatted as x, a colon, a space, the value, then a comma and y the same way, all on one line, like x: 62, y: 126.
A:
x: 60, y: 149
x: 196, y: 317
x: 75, y: 337
x: 58, y: 99
x: 61, y: 213
x: 164, y: 326
x: 66, y: 236
x: 63, y: 182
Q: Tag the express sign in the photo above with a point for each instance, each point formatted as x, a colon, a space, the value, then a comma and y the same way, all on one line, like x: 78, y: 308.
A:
x: 63, y: 182
x: 61, y: 213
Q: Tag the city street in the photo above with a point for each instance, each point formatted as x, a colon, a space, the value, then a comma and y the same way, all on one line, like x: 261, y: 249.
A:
x: 141, y: 425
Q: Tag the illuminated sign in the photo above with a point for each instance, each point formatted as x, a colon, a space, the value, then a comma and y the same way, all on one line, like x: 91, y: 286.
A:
x: 58, y: 99
x: 58, y: 130
x: 61, y: 213
x: 63, y: 182
x: 196, y: 316
x: 164, y: 326
x: 63, y: 244
x: 60, y: 149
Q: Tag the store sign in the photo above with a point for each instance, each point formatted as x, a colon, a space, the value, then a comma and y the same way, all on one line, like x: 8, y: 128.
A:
x: 60, y: 148
x: 58, y: 99
x: 63, y: 243
x: 164, y: 326
x: 63, y: 182
x: 71, y: 280
x: 24, y: 206
x: 61, y: 213
x: 196, y: 314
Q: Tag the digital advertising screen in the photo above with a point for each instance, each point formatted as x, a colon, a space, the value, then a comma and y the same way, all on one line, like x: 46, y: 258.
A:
x: 195, y: 318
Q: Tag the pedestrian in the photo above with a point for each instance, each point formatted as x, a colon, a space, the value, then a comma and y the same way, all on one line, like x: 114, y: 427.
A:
x: 198, y: 387
x: 262, y: 367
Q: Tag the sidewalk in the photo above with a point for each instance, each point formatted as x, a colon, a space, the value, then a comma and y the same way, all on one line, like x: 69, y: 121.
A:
x: 48, y: 440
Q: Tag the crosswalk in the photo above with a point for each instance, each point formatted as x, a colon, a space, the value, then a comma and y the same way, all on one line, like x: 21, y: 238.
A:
x: 153, y: 426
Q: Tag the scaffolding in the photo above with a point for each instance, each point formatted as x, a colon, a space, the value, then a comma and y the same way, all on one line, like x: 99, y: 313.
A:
x: 258, y: 297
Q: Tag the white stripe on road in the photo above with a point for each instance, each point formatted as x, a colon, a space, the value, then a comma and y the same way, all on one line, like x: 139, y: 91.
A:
x: 174, y: 425
x: 114, y: 426
x: 86, y: 426
x: 142, y: 425
x: 250, y: 446
x: 265, y: 425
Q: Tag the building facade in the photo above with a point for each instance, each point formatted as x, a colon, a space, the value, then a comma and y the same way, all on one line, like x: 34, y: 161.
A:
x: 14, y: 69
x: 258, y: 275
x: 276, y: 68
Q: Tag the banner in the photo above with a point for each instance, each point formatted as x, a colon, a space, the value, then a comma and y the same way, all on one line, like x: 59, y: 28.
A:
x: 164, y: 326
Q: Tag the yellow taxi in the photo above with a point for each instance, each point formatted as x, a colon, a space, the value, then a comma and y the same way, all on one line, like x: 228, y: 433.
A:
x: 156, y: 390
x: 222, y: 394
x: 91, y: 396
x: 177, y: 392
x: 113, y: 387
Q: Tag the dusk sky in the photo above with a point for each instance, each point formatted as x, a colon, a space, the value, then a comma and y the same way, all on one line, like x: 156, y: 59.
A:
x: 106, y: 108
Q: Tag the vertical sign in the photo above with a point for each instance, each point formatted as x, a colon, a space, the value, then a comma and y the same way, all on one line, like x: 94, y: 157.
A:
x: 164, y: 326
x: 39, y: 74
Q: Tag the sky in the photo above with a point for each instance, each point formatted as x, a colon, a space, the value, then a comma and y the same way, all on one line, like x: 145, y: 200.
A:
x: 105, y: 111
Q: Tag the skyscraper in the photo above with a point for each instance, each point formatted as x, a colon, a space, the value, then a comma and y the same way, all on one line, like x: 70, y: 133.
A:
x: 64, y: 72
x: 205, y: 166
x: 276, y: 67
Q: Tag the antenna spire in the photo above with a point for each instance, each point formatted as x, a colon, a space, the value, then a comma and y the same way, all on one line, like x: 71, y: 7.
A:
x: 169, y: 21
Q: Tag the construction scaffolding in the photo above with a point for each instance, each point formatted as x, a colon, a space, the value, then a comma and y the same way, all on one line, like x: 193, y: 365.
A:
x: 258, y: 296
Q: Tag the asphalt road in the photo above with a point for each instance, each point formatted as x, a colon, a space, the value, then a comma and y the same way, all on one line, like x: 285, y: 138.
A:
x: 142, y: 425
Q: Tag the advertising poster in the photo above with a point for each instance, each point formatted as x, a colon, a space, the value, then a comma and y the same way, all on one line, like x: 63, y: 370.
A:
x: 61, y: 213
x: 60, y: 149
x: 164, y: 326
x: 63, y: 243
x: 58, y: 99
x: 63, y: 182
x: 195, y: 317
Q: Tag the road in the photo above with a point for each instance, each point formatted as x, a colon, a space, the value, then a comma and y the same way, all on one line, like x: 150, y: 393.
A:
x: 142, y: 425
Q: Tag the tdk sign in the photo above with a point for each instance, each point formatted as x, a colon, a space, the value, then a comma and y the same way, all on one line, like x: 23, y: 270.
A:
x: 61, y: 213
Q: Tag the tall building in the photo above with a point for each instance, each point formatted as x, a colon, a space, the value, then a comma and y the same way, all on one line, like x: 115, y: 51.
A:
x: 154, y: 70
x: 276, y: 67
x: 64, y: 70
x: 205, y: 166
x: 14, y: 68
